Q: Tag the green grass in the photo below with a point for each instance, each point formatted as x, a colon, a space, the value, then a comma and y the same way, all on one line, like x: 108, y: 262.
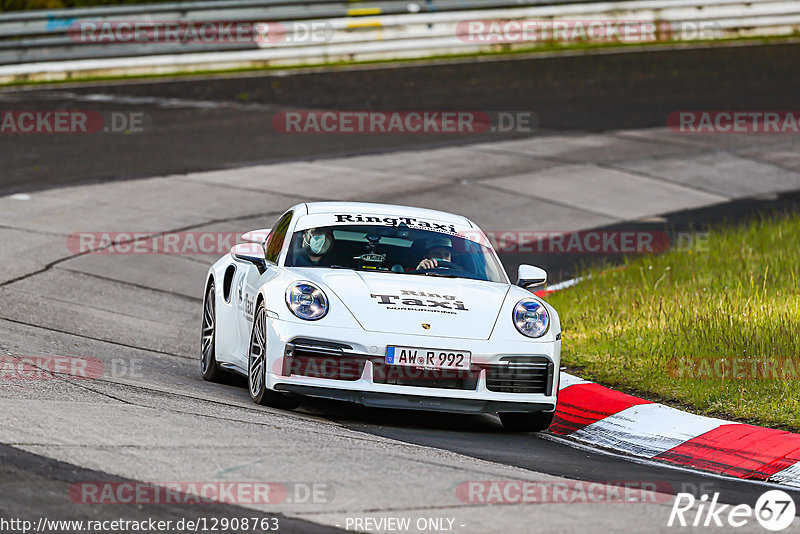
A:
x: 738, y: 300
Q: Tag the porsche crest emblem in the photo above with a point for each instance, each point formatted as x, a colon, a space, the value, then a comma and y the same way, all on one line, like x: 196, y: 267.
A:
x: 426, y: 326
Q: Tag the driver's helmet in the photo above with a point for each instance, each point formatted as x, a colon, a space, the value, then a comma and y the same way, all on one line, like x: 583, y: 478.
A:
x: 317, y: 241
x: 438, y: 242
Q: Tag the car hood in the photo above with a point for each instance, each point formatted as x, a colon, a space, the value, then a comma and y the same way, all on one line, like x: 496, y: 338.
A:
x: 405, y: 304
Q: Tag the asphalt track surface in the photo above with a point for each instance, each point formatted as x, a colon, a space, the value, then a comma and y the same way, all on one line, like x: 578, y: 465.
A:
x: 580, y: 93
x: 34, y: 486
x: 596, y: 92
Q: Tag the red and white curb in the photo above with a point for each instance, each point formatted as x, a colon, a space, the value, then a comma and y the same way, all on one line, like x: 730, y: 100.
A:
x: 557, y: 287
x: 601, y: 417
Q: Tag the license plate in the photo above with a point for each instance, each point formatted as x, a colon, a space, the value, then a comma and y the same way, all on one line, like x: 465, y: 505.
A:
x: 428, y: 358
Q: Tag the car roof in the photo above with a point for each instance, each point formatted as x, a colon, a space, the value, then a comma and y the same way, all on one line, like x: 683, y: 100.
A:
x: 368, y: 208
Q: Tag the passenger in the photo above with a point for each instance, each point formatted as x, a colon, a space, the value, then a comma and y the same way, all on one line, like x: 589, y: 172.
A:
x: 317, y: 244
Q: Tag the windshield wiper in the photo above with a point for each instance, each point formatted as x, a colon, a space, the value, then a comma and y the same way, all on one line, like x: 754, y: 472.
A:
x: 440, y: 275
x: 355, y: 268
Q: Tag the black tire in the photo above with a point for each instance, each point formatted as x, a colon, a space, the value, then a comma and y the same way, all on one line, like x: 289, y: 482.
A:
x: 526, y: 421
x: 208, y: 338
x: 257, y: 367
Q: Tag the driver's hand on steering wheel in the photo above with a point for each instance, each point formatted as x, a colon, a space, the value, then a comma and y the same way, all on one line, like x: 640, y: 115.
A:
x: 427, y: 263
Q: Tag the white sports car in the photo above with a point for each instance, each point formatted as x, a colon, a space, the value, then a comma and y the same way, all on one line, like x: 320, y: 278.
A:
x: 387, y: 306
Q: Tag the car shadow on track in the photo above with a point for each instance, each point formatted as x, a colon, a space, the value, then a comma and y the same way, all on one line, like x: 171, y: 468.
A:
x: 356, y: 415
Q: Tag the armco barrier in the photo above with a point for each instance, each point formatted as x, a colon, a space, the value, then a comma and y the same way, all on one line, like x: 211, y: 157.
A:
x: 43, y: 45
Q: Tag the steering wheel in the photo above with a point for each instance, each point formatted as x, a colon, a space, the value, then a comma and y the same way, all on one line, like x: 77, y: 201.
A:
x: 439, y: 264
x: 446, y: 265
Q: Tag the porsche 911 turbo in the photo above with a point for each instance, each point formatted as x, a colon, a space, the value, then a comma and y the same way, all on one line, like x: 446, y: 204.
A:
x: 387, y: 306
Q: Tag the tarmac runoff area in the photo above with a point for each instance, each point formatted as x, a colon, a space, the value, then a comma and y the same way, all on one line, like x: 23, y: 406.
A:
x: 148, y: 416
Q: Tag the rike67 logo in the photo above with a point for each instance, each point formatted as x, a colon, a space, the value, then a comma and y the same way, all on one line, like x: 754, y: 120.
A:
x: 774, y: 510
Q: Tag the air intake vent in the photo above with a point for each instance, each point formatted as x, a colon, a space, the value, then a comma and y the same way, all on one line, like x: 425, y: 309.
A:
x: 322, y: 359
x: 521, y: 374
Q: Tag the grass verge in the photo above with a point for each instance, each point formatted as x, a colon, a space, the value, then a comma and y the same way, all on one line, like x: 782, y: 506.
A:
x: 717, y: 332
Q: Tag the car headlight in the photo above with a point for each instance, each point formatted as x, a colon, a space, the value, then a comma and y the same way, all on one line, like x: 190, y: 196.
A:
x: 306, y: 301
x: 531, y: 318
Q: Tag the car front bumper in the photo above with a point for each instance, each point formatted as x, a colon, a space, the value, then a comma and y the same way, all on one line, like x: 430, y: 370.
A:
x: 365, y: 382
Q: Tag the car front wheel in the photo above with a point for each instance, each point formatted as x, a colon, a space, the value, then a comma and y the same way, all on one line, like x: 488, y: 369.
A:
x: 208, y: 359
x: 257, y: 367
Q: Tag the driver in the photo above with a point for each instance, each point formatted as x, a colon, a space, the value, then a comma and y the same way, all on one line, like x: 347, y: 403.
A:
x: 317, y: 242
x: 439, y: 248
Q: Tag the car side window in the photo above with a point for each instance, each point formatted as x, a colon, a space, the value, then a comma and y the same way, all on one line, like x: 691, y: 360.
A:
x: 276, y: 237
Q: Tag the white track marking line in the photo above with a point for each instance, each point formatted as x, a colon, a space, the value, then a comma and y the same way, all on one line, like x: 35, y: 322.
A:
x: 565, y: 440
x: 568, y: 380
x: 647, y: 430
x: 789, y: 476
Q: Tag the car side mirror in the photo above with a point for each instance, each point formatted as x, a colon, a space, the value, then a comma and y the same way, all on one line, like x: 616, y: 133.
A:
x: 530, y: 276
x: 256, y: 236
x: 252, y: 253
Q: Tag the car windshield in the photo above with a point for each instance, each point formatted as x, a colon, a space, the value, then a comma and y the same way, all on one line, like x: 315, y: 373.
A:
x: 398, y: 249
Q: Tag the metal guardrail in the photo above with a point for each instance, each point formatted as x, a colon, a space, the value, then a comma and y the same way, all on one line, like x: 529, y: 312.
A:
x: 38, y: 45
x: 31, y: 36
x: 53, y: 22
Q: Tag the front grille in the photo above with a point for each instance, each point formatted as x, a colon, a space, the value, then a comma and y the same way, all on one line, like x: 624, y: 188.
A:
x: 401, y: 375
x: 521, y: 374
x: 322, y: 359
